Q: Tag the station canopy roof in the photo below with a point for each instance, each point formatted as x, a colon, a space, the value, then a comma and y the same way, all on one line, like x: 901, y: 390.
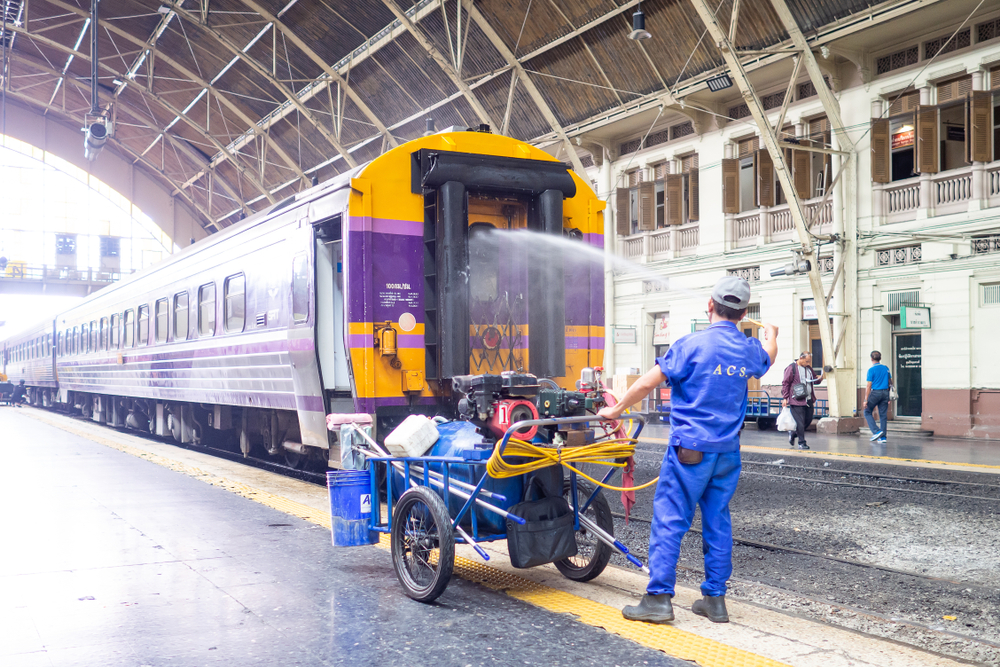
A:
x: 236, y: 104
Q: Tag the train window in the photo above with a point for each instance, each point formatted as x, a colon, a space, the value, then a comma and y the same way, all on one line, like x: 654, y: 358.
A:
x: 104, y: 333
x: 93, y: 336
x: 235, y: 302
x: 128, y: 328
x: 162, y: 320
x: 206, y: 310
x: 143, y: 321
x: 116, y: 324
x: 181, y: 316
x: 300, y: 288
x: 75, y: 342
x: 84, y: 339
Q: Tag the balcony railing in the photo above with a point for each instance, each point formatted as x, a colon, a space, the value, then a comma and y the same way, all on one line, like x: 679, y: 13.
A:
x: 952, y: 191
x: 689, y: 237
x: 747, y: 228
x: 660, y: 243
x: 23, y: 272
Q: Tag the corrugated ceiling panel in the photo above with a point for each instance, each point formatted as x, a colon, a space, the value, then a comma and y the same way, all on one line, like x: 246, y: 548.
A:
x: 575, y: 88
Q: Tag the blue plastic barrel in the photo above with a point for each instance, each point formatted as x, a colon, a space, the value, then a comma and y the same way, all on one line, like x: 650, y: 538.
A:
x: 351, y: 508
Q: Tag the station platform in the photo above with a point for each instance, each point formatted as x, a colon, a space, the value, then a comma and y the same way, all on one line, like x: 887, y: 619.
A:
x: 125, y: 551
x: 901, y: 449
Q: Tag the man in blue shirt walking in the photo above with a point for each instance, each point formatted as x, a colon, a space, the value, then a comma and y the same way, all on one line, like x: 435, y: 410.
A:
x: 707, y: 372
x: 877, y: 396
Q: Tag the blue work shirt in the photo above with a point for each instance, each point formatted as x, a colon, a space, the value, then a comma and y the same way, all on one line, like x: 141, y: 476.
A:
x: 879, y: 376
x: 708, y: 372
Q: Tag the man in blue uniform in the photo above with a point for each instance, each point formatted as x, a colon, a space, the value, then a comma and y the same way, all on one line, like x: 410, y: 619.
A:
x: 707, y: 372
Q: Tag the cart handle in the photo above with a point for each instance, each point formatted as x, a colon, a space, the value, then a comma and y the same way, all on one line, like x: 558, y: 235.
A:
x: 555, y: 421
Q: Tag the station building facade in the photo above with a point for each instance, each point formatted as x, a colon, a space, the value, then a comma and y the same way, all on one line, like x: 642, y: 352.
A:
x: 694, y: 197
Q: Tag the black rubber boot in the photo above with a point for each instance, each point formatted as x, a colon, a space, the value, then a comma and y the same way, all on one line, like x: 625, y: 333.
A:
x: 652, y: 609
x: 712, y: 608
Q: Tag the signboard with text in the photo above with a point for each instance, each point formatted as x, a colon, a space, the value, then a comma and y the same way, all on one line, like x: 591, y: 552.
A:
x: 903, y: 139
x: 625, y: 336
x: 914, y: 317
x: 661, y: 329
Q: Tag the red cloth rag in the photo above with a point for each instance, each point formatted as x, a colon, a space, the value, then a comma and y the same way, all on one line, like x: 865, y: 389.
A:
x: 628, y: 497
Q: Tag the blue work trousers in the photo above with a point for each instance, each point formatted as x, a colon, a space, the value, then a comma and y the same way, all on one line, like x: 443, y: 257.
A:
x: 711, y: 485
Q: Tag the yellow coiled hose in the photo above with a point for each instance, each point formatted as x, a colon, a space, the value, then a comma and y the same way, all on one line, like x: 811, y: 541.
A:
x: 603, y: 453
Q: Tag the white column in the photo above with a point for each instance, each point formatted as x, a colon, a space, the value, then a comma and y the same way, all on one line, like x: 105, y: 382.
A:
x: 978, y: 200
x: 606, y: 186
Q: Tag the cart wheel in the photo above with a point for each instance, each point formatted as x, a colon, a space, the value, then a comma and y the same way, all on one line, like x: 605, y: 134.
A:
x: 593, y: 555
x: 765, y: 424
x: 423, y: 544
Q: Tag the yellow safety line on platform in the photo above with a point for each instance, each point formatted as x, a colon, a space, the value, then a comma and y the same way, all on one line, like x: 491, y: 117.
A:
x: 816, y: 452
x: 672, y: 641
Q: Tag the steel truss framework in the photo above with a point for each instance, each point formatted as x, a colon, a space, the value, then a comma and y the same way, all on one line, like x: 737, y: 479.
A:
x: 199, y: 83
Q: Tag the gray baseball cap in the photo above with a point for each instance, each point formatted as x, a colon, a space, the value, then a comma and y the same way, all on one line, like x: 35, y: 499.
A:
x: 732, y: 291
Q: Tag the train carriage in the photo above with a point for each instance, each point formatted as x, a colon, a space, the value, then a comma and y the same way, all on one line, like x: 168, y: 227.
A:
x: 28, y: 356
x: 365, y: 294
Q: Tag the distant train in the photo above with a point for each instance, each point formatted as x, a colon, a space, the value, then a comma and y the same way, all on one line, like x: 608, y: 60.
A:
x: 362, y: 294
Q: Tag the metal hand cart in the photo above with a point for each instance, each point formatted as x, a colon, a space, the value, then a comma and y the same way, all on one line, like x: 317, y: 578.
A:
x: 423, y: 533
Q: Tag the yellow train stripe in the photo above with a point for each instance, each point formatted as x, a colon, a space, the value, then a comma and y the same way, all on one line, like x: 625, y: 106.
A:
x: 815, y: 452
x: 672, y: 641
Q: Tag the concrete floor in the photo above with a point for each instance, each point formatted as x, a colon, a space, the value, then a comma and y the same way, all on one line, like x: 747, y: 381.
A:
x: 111, y: 559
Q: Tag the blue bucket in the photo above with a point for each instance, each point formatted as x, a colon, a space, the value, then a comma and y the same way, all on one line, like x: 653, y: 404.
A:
x: 351, y: 508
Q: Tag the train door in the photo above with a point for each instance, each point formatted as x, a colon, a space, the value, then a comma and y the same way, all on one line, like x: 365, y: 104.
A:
x: 497, y: 286
x: 330, y: 339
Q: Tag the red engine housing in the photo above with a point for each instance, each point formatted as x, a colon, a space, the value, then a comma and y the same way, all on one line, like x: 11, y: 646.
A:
x: 509, y: 411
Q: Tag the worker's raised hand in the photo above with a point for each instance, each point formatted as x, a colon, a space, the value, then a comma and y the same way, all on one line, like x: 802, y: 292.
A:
x: 610, y: 412
x: 770, y: 332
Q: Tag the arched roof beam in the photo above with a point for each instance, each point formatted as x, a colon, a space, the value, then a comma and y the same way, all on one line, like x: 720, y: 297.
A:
x: 262, y: 71
x: 446, y: 67
x: 58, y: 111
x: 326, y: 67
x: 529, y: 85
x: 50, y: 43
x: 194, y: 78
x: 182, y: 146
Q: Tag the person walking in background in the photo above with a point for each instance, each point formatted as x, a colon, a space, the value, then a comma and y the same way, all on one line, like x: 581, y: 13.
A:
x: 877, y: 396
x: 798, y: 394
x: 707, y: 372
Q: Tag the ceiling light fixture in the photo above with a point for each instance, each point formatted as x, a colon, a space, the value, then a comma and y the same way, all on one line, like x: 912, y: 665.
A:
x: 720, y: 82
x: 639, y: 25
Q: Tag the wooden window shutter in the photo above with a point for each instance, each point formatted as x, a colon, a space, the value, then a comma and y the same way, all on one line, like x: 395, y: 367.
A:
x: 765, y: 178
x: 694, y: 200
x: 661, y: 170
x: 995, y: 78
x: 675, y: 199
x: 647, y: 206
x: 730, y: 185
x: 954, y: 89
x: 622, y: 214
x: 881, y: 151
x: 980, y: 134
x: 801, y: 168
x: 927, y: 140
x: 904, y: 103
x: 634, y: 178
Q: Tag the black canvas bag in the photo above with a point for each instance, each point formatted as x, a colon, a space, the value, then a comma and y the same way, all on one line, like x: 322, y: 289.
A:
x: 800, y: 390
x: 546, y: 536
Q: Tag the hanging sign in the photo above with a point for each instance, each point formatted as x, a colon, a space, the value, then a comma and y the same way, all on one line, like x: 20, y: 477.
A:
x: 915, y: 317
x: 661, y: 329
x: 809, y: 309
x: 625, y: 336
x: 903, y: 138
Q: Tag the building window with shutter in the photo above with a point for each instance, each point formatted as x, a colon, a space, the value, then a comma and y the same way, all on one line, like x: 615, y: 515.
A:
x: 893, y: 139
x: 820, y: 165
x: 689, y: 186
x: 952, y: 99
x: 748, y: 150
